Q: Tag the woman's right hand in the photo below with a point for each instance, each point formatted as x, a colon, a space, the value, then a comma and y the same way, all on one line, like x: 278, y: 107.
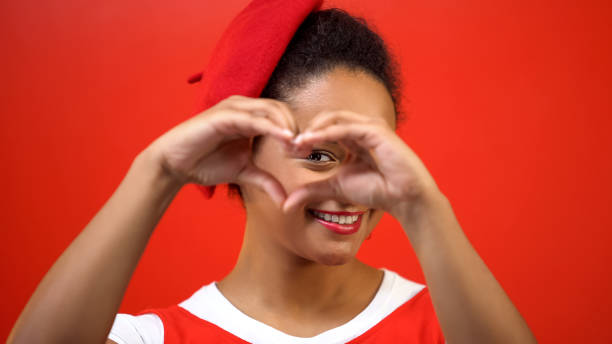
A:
x: 214, y: 146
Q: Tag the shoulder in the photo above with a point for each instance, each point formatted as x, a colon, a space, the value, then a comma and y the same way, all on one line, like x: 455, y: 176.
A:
x: 173, y: 324
x: 407, y: 295
x: 402, y: 285
x: 409, y: 315
x: 398, y: 290
x: 137, y: 329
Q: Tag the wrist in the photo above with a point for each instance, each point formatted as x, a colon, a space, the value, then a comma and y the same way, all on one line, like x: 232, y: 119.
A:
x: 149, y: 164
x: 414, y: 213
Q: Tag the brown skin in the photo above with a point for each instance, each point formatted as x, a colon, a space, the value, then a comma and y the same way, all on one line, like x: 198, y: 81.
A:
x: 303, y: 279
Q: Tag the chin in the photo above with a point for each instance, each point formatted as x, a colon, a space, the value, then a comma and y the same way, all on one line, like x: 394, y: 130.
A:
x: 335, y: 260
x: 335, y: 254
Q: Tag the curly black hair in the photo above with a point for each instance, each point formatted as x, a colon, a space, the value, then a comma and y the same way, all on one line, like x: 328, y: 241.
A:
x: 327, y: 39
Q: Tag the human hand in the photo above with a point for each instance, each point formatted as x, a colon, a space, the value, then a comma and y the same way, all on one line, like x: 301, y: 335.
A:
x: 214, y: 147
x: 380, y: 171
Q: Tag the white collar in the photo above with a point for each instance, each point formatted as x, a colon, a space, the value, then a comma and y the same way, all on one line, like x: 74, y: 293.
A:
x: 209, y: 304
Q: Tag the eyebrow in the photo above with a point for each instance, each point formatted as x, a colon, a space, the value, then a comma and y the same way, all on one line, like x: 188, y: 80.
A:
x: 331, y: 143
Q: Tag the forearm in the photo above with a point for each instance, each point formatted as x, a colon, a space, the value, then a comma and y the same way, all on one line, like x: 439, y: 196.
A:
x: 78, y: 298
x: 470, y: 304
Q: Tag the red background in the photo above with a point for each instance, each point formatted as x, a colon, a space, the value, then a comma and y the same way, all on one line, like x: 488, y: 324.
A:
x: 508, y: 105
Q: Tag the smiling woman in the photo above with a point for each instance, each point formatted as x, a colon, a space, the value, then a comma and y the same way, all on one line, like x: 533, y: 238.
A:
x: 338, y: 96
x: 317, y: 162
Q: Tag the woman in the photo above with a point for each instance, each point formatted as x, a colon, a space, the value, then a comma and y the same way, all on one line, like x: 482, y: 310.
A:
x: 316, y: 162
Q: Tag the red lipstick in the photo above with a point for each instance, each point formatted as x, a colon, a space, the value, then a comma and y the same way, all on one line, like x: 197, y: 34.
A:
x: 331, y: 220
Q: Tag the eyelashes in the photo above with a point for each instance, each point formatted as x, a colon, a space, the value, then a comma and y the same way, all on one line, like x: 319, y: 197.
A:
x: 321, y: 157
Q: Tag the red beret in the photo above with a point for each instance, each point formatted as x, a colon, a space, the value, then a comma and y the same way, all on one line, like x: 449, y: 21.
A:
x: 249, y: 50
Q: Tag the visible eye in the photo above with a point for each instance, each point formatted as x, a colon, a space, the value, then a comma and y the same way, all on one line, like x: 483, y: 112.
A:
x: 319, y: 156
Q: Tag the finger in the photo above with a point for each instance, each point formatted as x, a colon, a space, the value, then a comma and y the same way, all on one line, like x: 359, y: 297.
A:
x: 313, y: 192
x: 276, y: 111
x: 289, y: 115
x: 296, y: 150
x: 328, y: 118
x: 352, y: 147
x: 358, y: 152
x: 365, y: 136
x: 264, y: 181
x: 245, y: 125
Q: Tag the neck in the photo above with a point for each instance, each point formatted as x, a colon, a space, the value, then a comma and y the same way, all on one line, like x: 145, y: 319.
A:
x: 282, y: 282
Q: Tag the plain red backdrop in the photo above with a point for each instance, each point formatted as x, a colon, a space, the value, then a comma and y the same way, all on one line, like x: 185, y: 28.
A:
x: 507, y: 102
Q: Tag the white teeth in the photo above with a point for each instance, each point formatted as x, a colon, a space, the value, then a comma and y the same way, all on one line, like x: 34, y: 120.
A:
x: 340, y: 219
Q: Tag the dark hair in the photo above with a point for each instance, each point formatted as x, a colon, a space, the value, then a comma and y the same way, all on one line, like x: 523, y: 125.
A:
x: 327, y: 39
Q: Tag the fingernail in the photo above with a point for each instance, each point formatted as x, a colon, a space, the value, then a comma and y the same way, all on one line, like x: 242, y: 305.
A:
x: 288, y: 132
x: 301, y: 137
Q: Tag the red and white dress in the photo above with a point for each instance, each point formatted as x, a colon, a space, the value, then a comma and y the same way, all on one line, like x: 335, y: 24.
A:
x: 400, y: 312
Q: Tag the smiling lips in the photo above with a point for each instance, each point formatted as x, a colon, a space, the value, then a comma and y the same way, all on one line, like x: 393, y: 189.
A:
x: 341, y: 222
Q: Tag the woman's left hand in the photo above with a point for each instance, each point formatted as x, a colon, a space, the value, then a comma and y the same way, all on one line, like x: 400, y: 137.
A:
x: 380, y: 171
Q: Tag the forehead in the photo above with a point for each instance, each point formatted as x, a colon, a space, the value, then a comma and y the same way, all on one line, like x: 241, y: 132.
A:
x: 342, y: 89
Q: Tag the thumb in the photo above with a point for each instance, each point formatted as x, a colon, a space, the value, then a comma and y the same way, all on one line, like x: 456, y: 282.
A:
x: 313, y: 192
x: 264, y: 181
